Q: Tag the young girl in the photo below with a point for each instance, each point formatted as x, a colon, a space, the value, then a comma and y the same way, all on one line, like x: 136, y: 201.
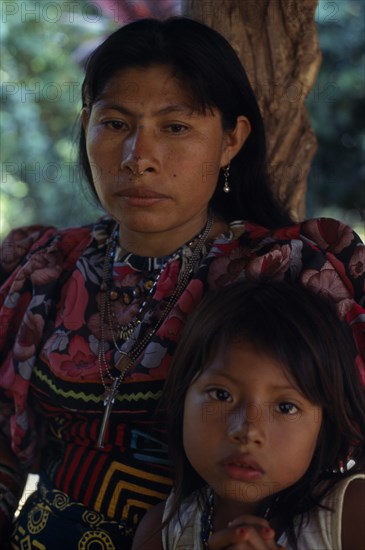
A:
x: 267, y: 427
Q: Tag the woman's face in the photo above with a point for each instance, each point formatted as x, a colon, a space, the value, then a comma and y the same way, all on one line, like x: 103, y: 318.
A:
x: 146, y: 116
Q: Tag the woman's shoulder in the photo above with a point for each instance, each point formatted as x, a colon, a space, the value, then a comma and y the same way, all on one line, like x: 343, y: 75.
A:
x: 322, y: 251
x: 327, y: 233
x: 23, y: 242
x: 20, y: 241
x: 309, y: 247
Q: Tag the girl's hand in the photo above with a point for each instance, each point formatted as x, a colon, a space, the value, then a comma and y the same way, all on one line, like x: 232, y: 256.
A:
x: 245, y: 533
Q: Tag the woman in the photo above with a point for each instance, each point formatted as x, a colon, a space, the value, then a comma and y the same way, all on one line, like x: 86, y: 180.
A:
x: 173, y: 147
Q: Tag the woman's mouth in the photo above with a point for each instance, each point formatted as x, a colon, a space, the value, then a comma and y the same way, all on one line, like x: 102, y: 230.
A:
x: 141, y: 196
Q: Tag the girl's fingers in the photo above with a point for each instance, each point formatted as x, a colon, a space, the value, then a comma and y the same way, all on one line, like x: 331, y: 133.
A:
x: 232, y: 538
x: 242, y: 537
x: 261, y: 524
x: 250, y: 520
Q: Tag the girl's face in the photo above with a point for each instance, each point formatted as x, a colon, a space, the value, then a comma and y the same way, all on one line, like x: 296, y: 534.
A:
x: 147, y: 114
x: 248, y: 429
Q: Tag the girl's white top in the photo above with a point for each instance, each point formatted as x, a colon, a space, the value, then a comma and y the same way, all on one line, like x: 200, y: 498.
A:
x: 322, y: 532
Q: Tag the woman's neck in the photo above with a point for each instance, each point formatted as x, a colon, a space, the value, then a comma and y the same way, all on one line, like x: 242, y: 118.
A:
x: 157, y: 245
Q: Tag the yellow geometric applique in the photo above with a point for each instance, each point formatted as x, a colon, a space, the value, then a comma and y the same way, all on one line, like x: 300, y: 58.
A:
x: 96, y: 539
x: 37, y: 519
x: 24, y: 543
x: 92, y: 518
x: 138, y: 489
x: 132, y: 503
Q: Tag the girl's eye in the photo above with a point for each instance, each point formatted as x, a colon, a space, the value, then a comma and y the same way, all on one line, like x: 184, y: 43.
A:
x: 287, y: 408
x: 220, y: 395
x: 176, y: 128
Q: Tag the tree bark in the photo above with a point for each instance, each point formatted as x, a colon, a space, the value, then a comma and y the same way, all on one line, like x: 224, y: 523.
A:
x: 277, y: 42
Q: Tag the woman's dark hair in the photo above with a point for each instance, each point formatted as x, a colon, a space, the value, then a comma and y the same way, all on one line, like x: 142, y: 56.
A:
x: 208, y: 64
x: 302, y: 331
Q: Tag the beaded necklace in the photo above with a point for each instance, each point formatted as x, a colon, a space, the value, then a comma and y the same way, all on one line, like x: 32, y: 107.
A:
x: 151, y: 269
x: 111, y: 383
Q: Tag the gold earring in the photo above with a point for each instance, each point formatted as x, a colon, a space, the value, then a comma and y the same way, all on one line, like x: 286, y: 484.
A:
x: 226, y: 187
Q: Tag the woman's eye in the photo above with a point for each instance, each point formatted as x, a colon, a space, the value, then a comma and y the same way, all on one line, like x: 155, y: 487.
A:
x: 176, y: 128
x: 287, y: 408
x: 220, y: 395
x: 116, y: 124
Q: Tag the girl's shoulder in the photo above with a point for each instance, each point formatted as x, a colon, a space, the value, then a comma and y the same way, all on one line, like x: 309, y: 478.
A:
x: 182, y: 526
x: 338, y: 523
x: 148, y: 534
x: 353, y: 513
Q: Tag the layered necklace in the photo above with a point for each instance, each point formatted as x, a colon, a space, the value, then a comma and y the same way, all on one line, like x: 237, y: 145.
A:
x: 146, y: 288
x: 151, y: 270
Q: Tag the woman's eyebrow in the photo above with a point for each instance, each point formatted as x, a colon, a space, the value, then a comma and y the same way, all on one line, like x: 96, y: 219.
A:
x: 172, y: 108
x: 102, y: 104
x: 179, y: 107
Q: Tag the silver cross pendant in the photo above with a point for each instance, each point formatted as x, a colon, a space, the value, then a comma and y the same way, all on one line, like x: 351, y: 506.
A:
x: 109, y: 398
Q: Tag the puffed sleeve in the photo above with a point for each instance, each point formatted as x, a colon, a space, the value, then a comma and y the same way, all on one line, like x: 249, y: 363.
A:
x: 324, y: 254
x: 15, y: 296
x: 341, y: 277
x: 328, y: 257
x: 34, y: 262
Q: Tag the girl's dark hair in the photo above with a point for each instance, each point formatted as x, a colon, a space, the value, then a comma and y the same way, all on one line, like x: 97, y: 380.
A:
x: 209, y: 66
x: 301, y: 331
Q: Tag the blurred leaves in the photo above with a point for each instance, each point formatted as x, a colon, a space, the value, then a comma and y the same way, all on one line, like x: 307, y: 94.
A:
x: 41, y: 77
x: 336, y: 184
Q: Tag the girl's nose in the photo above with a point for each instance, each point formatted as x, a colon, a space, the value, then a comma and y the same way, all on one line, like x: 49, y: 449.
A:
x: 245, y: 424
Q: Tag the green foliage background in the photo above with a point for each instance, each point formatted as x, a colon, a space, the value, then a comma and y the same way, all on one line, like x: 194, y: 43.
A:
x: 42, y: 71
x: 336, y: 184
x: 44, y: 45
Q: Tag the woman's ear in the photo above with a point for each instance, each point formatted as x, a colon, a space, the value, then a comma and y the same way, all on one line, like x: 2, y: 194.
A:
x: 234, y: 139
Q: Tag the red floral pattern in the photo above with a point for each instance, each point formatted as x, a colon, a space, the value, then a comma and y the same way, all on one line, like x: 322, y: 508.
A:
x: 332, y: 235
x: 357, y: 262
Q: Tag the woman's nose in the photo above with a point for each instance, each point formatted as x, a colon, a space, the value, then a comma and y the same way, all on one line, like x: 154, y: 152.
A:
x: 245, y: 424
x: 139, y: 153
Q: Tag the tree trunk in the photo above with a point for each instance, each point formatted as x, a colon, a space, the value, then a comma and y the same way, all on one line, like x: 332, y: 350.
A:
x: 277, y: 42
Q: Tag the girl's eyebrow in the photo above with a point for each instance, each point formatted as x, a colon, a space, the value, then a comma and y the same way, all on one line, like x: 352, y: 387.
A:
x: 173, y: 108
x: 285, y: 388
x: 222, y: 374
x: 276, y: 387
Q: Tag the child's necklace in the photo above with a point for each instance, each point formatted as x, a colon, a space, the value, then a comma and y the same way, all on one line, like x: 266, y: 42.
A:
x: 207, y: 517
x: 207, y: 520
